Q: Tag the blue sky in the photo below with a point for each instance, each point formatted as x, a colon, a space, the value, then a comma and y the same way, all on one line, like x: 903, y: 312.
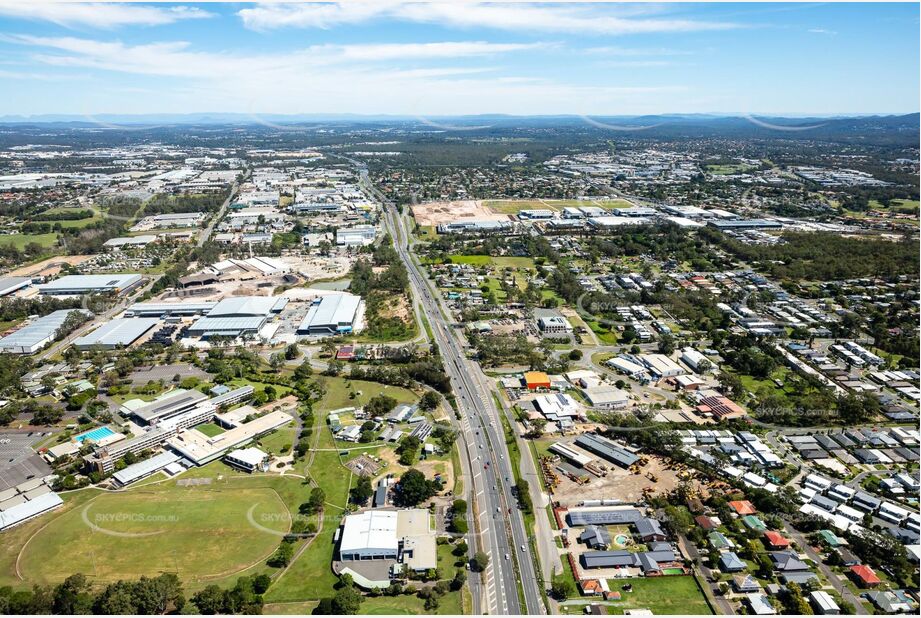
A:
x: 447, y: 58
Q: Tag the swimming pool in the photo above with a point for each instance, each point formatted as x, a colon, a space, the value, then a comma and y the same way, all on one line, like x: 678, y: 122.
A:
x: 95, y: 434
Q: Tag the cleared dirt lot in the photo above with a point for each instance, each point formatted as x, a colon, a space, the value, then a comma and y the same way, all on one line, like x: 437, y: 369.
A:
x: 436, y: 213
x: 50, y: 267
x: 619, y: 484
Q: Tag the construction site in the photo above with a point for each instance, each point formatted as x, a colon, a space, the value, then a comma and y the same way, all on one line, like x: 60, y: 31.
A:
x: 570, y: 483
x: 437, y: 213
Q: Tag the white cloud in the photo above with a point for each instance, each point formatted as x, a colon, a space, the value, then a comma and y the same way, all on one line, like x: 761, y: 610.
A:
x: 821, y: 31
x: 635, y: 64
x: 312, y: 15
x: 99, y: 15
x: 517, y: 17
x: 402, y: 51
x: 348, y: 78
x: 176, y: 58
x: 636, y: 52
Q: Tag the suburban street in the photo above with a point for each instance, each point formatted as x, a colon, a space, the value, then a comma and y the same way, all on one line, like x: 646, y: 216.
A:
x: 830, y: 575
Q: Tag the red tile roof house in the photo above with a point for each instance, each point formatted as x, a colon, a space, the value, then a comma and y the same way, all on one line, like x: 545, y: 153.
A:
x: 864, y: 575
x: 775, y: 540
x: 743, y: 507
x: 707, y: 523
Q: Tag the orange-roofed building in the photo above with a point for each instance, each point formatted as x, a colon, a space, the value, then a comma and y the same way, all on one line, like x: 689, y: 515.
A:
x: 536, y: 380
x: 775, y: 540
x: 865, y: 576
x: 743, y: 507
x: 591, y: 587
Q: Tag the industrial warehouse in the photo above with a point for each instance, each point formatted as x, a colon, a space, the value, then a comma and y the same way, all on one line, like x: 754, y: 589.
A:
x: 238, y: 317
x: 119, y: 333
x: 375, y: 545
x: 80, y: 285
x: 37, y: 334
x: 332, y: 315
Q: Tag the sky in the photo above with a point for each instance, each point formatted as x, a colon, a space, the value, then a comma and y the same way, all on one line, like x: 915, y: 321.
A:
x: 458, y: 58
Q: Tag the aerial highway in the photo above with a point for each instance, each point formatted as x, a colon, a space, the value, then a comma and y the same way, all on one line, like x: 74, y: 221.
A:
x: 499, y: 526
x: 205, y: 234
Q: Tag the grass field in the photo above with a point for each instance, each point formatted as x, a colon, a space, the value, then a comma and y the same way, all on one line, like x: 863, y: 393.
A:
x: 723, y: 170
x: 296, y: 608
x: 275, y: 442
x: 210, y: 429
x: 661, y: 595
x: 337, y: 393
x: 753, y: 384
x: 472, y: 260
x: 201, y: 533
x: 427, y: 233
x: 904, y: 206
x: 513, y: 207
x: 70, y: 223
x: 204, y: 532
x: 21, y: 240
x: 310, y: 577
x: 603, y: 333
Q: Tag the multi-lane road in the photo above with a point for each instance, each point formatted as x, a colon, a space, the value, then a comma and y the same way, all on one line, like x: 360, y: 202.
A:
x: 206, y: 232
x: 510, y: 584
x: 499, y: 528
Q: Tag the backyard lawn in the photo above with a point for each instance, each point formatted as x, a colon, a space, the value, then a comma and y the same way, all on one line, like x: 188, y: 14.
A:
x: 671, y: 595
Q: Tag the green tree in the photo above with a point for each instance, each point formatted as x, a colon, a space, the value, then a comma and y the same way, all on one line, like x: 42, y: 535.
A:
x: 347, y: 601
x: 73, y: 596
x: 479, y: 562
x: 379, y: 405
x: 561, y: 588
x: 408, y: 450
x: 430, y: 400
x: 362, y: 491
x: 282, y: 556
x: 315, y: 503
x: 414, y: 488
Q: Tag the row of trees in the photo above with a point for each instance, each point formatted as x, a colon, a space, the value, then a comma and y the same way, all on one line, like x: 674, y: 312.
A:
x: 145, y: 596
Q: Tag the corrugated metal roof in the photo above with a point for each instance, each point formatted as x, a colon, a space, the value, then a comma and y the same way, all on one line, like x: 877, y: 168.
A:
x: 38, y: 331
x: 144, y: 468
x: 331, y: 312
x: 244, y: 306
x: 176, y: 400
x: 24, y: 511
x: 123, y: 331
x: 90, y: 282
x: 181, y: 307
x: 229, y: 325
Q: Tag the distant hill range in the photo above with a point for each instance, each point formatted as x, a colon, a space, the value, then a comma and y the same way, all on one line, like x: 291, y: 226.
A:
x: 880, y: 128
